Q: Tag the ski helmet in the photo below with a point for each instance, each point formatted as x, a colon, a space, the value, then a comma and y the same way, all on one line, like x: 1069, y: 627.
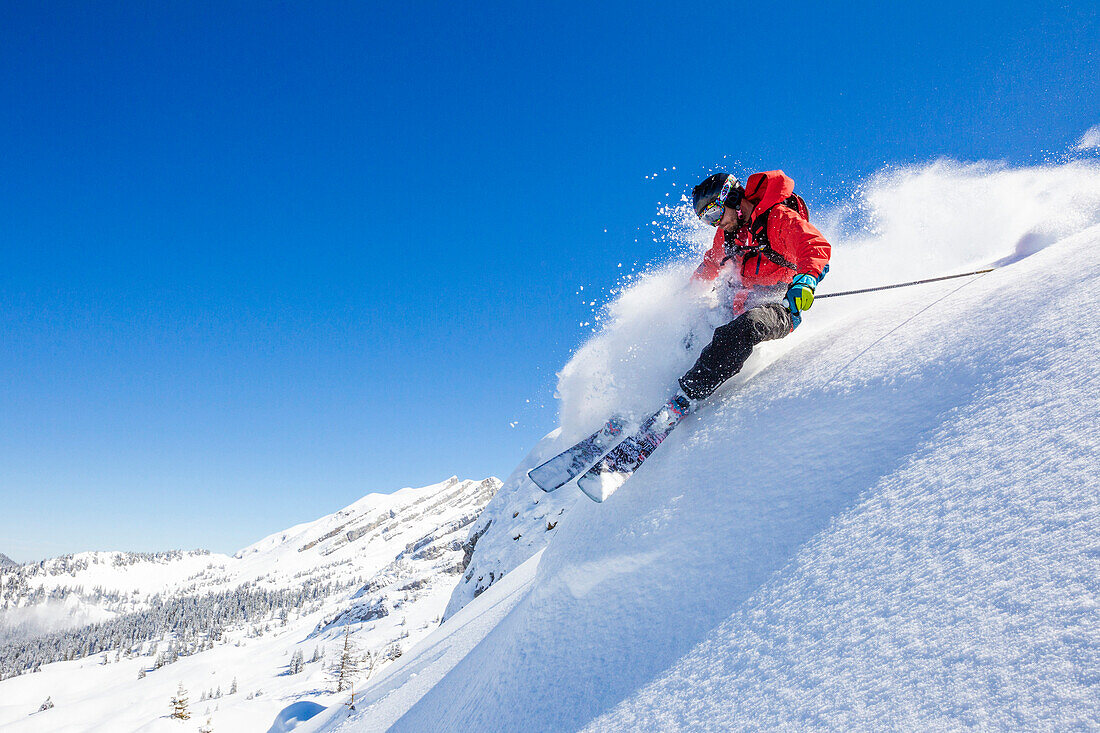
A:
x: 721, y: 189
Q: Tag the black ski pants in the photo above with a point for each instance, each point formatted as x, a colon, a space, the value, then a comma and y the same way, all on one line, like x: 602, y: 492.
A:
x: 731, y: 346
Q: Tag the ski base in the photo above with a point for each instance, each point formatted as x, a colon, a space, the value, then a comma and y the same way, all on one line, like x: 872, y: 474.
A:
x: 611, y: 472
x: 567, y: 465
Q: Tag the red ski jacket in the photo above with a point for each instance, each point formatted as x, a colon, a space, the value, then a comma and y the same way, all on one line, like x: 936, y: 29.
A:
x: 789, y: 235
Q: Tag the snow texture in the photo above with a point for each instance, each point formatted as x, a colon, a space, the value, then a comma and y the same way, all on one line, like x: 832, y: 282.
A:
x: 517, y: 524
x: 394, y: 692
x: 887, y: 521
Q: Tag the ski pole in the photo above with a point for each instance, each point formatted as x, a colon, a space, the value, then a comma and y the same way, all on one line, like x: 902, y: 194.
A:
x: 904, y: 285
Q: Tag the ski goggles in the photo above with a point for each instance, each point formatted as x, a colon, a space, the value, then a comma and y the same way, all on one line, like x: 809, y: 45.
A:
x: 712, y: 214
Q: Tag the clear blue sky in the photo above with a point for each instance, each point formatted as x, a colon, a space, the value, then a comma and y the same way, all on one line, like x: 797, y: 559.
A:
x: 258, y: 259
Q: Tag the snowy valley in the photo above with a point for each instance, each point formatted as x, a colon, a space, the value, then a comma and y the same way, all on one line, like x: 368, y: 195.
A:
x: 384, y: 566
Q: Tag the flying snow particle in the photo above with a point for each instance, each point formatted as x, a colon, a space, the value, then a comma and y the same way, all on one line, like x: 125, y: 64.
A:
x: 1090, y: 140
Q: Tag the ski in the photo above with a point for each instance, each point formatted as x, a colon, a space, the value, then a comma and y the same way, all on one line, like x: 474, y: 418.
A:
x: 566, y: 466
x: 620, y: 464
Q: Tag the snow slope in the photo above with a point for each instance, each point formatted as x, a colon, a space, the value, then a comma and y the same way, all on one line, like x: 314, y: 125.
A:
x: 888, y: 521
x: 901, y: 224
x: 399, y: 687
x: 515, y: 526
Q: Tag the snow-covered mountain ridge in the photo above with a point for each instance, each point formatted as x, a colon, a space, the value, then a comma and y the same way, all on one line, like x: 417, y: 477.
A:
x: 383, y: 567
x: 886, y: 522
x: 119, y: 582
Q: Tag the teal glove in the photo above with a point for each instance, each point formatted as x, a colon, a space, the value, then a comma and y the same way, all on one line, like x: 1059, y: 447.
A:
x: 800, y: 296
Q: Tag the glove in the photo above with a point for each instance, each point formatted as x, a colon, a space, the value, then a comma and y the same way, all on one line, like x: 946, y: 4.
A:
x: 800, y: 296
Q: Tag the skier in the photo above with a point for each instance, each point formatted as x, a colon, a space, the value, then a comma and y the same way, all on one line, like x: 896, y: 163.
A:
x: 776, y: 257
x: 763, y: 238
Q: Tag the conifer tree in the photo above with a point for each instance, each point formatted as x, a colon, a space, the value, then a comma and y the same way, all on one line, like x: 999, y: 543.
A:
x: 179, y: 705
x: 347, y: 668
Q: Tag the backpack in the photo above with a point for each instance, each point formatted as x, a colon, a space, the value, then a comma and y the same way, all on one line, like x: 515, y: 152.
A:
x: 759, y: 230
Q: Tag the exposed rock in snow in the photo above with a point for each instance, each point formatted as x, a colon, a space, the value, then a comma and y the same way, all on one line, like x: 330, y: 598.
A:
x: 512, y: 528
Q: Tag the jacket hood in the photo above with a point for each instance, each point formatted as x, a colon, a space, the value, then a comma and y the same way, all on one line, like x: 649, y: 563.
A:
x: 767, y: 189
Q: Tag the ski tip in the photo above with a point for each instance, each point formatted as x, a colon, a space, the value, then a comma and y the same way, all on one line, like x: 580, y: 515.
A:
x: 596, y: 497
x: 591, y: 495
x: 598, y: 485
x: 535, y: 481
x: 547, y: 484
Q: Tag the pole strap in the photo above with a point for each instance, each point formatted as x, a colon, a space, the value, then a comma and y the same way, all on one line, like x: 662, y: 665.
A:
x: 904, y: 285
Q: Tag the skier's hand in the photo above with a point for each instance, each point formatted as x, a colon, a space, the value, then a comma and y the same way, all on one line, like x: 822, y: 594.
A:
x: 800, y: 296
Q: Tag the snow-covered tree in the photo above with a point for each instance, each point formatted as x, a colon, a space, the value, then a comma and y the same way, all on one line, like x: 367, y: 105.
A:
x: 233, y: 687
x: 296, y: 662
x: 171, y: 627
x: 179, y: 704
x: 347, y: 667
x: 370, y: 659
x: 46, y: 705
